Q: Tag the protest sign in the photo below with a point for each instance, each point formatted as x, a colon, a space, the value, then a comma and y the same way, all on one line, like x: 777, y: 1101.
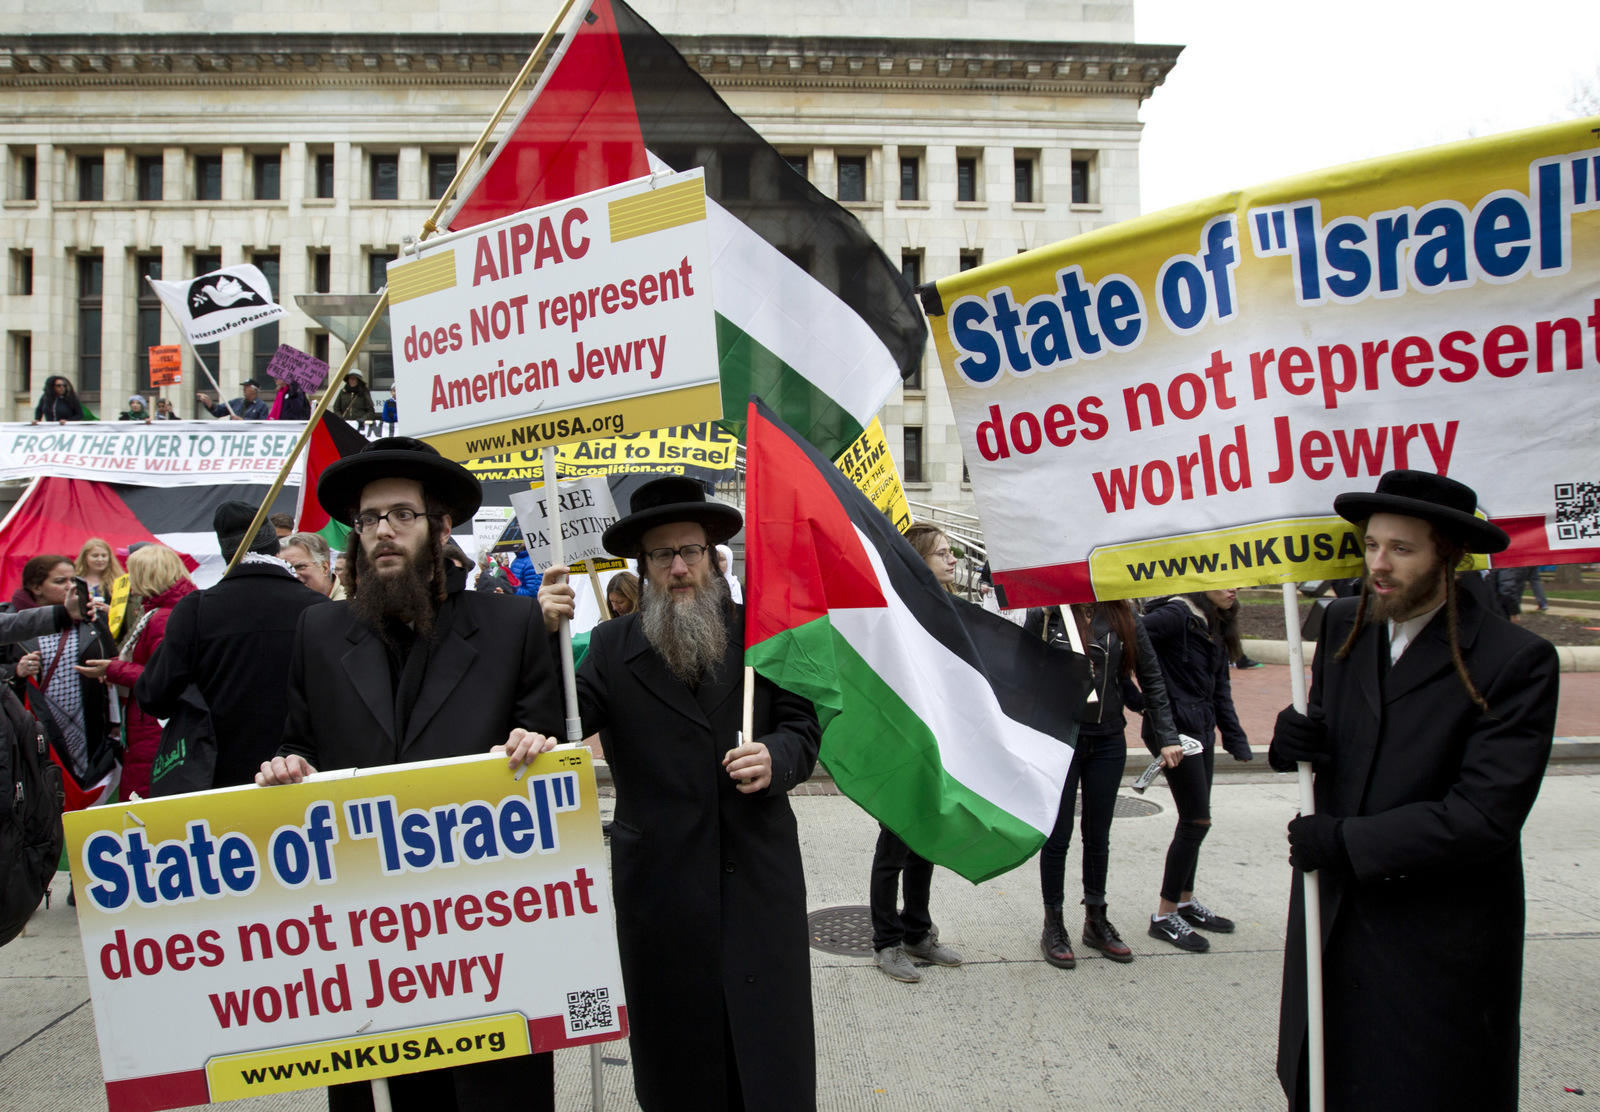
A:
x: 290, y: 364
x: 704, y: 451
x: 867, y: 464
x: 177, y: 453
x: 1172, y: 403
x: 489, y: 525
x: 357, y: 925
x: 166, y: 364
x: 207, y: 308
x: 586, y: 511
x: 588, y: 317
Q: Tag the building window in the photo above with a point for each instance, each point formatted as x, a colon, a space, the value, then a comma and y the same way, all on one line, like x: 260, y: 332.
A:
x: 378, y: 270
x: 208, y: 177
x: 966, y: 475
x: 147, y: 321
x: 910, y: 178
x: 322, y: 272
x: 852, y: 179
x: 970, y: 259
x: 91, y: 285
x: 799, y: 163
x: 911, y: 268
x: 913, y: 455
x: 264, y: 337
x: 1082, y: 174
x: 22, y: 360
x: 324, y: 183
x: 149, y: 173
x: 441, y: 172
x: 788, y: 188
x: 1024, y: 181
x: 385, y: 185
x: 211, y: 354
x: 92, y: 178
x: 319, y: 348
x: 28, y: 187
x: 735, y: 174
x: 966, y: 179
x: 269, y: 177
x: 380, y: 365
x: 22, y: 273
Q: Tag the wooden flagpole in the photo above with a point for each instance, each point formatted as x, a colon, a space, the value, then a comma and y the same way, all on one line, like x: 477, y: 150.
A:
x: 1315, y: 1061
x: 429, y: 226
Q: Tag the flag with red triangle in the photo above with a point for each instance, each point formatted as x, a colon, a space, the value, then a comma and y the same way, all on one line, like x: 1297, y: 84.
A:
x: 331, y: 440
x: 947, y: 723
x: 811, y: 315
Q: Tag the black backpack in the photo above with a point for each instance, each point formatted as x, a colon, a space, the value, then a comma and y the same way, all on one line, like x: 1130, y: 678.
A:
x: 31, y: 799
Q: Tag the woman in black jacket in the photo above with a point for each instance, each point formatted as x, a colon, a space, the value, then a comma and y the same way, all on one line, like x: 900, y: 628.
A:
x: 58, y: 403
x: 1098, y: 763
x: 1195, y: 638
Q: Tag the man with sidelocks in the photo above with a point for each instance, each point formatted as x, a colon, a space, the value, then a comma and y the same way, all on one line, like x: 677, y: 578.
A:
x: 1429, y: 725
x: 710, y: 894
x: 413, y: 667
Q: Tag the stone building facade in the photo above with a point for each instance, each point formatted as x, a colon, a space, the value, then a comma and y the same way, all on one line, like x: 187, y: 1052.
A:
x: 298, y: 136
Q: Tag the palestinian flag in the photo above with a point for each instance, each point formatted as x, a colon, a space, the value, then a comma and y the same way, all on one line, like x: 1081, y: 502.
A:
x: 811, y: 315
x: 332, y: 440
x: 947, y: 723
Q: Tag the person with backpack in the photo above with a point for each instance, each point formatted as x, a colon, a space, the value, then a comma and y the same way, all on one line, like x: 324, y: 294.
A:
x: 155, y: 573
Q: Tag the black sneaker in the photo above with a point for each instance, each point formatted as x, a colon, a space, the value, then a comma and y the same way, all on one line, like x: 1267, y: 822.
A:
x: 1203, y: 918
x: 1246, y: 663
x: 1171, y: 928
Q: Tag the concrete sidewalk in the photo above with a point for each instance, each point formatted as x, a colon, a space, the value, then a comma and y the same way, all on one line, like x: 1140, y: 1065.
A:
x: 1006, y: 1031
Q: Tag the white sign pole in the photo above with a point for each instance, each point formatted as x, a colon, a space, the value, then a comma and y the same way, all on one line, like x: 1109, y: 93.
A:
x: 1313, y: 902
x: 569, y: 687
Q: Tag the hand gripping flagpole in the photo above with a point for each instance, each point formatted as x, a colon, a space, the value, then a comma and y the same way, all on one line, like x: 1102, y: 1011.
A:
x: 429, y: 226
x: 1313, y: 903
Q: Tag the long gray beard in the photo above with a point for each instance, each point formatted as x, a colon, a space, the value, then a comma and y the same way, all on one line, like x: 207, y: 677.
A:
x: 690, y: 636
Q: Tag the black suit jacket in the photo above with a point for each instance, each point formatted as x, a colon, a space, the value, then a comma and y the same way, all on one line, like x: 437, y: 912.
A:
x: 490, y: 672
x: 1422, y: 936
x: 232, y: 641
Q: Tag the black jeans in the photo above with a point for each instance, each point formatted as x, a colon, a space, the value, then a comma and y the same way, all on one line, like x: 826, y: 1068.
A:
x: 1191, y: 794
x: 1098, y: 765
x: 890, y: 924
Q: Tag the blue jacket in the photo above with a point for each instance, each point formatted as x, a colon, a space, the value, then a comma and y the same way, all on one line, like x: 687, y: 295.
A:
x: 522, y: 568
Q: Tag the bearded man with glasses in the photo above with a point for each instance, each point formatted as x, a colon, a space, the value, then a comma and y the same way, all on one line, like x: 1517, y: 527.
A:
x: 413, y: 667
x: 710, y: 893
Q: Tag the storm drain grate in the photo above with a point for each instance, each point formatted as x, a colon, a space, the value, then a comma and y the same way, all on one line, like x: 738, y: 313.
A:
x: 1126, y: 808
x: 842, y: 930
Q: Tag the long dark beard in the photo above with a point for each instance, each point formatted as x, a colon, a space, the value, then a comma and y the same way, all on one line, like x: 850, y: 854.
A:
x: 1405, y: 604
x: 690, y: 636
x: 406, y: 597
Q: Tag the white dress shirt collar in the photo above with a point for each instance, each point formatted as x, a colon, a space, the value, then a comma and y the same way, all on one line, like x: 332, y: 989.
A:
x: 1401, y: 634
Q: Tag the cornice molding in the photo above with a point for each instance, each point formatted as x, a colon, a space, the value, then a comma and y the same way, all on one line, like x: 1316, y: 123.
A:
x: 735, y: 62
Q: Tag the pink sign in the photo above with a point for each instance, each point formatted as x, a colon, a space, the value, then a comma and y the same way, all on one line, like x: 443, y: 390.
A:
x: 293, y: 365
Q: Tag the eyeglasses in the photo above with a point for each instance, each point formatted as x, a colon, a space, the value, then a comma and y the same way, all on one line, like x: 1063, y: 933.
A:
x: 662, y: 557
x: 398, y: 519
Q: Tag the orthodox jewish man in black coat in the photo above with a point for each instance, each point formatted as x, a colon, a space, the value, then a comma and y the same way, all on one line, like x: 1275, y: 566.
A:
x: 1429, y: 726
x: 414, y: 667
x: 710, y: 894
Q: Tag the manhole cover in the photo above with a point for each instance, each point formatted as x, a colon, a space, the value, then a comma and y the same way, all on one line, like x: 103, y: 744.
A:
x: 1126, y: 808
x: 842, y: 930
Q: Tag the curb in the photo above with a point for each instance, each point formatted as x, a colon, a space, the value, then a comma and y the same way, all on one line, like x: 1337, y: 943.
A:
x: 1574, y: 658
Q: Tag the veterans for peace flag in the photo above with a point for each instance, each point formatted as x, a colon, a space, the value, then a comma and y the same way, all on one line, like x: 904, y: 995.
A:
x: 207, y: 308
x: 811, y: 315
x: 948, y: 724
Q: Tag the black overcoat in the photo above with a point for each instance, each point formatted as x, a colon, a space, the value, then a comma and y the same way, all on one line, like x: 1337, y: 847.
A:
x: 710, y: 893
x: 489, y: 673
x: 1422, y: 943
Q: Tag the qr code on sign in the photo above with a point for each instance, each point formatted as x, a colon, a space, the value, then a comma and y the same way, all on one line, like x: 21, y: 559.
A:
x: 589, y: 1010
x: 1577, y: 511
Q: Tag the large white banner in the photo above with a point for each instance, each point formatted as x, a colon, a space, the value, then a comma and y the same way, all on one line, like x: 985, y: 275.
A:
x: 162, y: 453
x: 590, y: 317
x: 1172, y: 403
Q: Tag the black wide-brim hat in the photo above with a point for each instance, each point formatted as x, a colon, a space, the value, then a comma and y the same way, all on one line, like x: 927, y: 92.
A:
x: 399, y: 457
x: 664, y: 501
x: 1434, y: 498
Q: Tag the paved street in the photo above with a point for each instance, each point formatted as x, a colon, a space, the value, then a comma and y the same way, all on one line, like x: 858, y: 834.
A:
x: 1007, y: 1031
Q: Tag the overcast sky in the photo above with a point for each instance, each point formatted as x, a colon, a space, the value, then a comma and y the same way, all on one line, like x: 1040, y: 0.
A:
x: 1267, y: 88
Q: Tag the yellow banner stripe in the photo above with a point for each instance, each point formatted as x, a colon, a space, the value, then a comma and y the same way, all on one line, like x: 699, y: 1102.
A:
x: 425, y: 276
x: 667, y: 207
